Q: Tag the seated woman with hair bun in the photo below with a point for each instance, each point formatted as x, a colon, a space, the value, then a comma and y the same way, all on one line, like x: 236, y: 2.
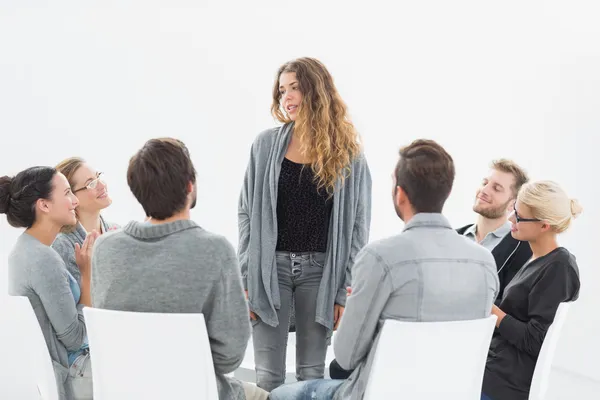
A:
x: 542, y: 211
x: 40, y: 200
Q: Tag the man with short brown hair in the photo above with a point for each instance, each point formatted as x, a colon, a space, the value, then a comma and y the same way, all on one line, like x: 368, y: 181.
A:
x: 494, y: 202
x: 426, y: 273
x: 169, y: 264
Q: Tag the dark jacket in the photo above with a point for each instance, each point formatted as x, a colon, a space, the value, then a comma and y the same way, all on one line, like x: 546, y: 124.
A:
x: 510, y: 255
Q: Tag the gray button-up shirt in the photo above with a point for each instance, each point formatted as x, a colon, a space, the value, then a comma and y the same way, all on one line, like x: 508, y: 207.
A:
x: 490, y: 240
x: 427, y: 273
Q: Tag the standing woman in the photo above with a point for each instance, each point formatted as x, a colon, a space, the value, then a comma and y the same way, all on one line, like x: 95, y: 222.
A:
x: 542, y: 211
x: 91, y: 191
x: 40, y: 200
x: 304, y: 213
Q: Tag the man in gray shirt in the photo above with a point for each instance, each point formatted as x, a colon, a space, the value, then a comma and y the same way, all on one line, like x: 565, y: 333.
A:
x: 426, y: 273
x: 169, y: 264
x: 494, y: 202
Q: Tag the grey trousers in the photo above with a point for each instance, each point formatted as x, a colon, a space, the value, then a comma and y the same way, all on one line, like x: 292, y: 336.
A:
x: 299, y: 275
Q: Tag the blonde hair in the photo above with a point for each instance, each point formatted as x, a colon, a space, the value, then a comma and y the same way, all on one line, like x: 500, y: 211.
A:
x: 511, y: 167
x: 550, y: 203
x: 323, y: 127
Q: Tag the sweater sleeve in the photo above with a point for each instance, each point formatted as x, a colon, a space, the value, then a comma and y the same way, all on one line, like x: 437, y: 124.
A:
x: 244, y: 213
x: 362, y: 225
x: 558, y: 283
x: 370, y: 293
x: 66, y: 250
x: 51, y: 284
x: 227, y: 317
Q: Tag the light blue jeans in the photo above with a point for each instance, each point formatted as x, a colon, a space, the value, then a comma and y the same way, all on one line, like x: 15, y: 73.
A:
x: 319, y: 389
x: 298, y: 274
x: 80, y: 377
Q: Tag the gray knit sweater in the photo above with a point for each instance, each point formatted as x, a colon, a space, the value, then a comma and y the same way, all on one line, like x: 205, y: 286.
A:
x: 64, y: 244
x: 37, y: 271
x: 177, y: 267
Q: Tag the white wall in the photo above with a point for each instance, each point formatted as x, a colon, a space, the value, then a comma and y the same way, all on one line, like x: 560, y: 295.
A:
x: 486, y: 79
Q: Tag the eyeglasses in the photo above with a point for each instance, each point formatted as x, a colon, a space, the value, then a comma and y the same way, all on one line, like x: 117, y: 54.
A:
x: 519, y: 219
x: 93, y: 184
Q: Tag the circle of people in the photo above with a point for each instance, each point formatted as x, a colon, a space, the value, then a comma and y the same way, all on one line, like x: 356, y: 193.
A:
x: 304, y: 262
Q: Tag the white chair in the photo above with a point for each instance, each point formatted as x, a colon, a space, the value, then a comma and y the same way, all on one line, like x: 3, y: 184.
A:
x: 27, y: 338
x: 543, y: 366
x: 149, y: 355
x: 430, y: 360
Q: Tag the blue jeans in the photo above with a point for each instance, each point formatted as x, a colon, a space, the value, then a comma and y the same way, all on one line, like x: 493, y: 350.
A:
x: 298, y: 274
x: 484, y: 397
x: 319, y: 389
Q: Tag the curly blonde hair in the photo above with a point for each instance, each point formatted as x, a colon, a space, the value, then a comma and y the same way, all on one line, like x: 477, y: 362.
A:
x: 323, y: 127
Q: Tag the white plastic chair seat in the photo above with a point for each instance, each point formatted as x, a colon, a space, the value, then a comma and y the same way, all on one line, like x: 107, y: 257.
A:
x: 543, y: 366
x: 149, y: 356
x: 27, y: 341
x: 430, y: 360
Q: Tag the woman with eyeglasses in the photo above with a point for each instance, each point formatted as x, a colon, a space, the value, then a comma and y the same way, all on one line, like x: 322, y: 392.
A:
x: 91, y: 191
x: 542, y: 211
x: 40, y: 200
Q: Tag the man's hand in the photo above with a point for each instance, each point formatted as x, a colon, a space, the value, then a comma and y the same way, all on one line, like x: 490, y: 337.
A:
x: 338, y: 311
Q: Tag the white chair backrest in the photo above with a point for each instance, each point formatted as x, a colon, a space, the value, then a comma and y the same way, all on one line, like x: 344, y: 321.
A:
x: 149, y: 355
x: 31, y: 344
x: 430, y: 360
x: 543, y: 366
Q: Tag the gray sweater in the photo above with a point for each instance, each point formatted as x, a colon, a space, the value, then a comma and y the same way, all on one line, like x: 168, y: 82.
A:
x: 257, y: 220
x: 177, y: 267
x: 427, y: 273
x: 64, y: 244
x: 38, y: 272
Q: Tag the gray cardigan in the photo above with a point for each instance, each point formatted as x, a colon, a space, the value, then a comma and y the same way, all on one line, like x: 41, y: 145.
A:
x: 38, y: 272
x: 257, y: 219
x: 64, y: 245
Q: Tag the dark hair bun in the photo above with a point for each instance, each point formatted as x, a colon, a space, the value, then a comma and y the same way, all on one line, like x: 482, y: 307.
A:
x: 5, y: 183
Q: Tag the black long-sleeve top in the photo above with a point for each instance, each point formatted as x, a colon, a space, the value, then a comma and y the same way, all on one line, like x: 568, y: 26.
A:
x: 303, y: 211
x: 530, y: 302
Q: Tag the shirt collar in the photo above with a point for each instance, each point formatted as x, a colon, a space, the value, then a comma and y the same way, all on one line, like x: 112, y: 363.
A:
x: 428, y: 220
x: 502, y: 231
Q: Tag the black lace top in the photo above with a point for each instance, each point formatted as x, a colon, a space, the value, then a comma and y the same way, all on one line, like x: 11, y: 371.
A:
x: 303, y: 213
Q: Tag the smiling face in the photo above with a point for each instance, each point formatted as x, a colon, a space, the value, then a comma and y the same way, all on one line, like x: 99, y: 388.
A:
x: 60, y: 208
x: 291, y: 97
x: 90, y: 189
x: 494, y: 198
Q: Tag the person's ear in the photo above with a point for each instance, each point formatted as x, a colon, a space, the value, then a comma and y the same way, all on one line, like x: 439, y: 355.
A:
x: 511, y: 206
x: 401, y: 197
x: 42, y: 205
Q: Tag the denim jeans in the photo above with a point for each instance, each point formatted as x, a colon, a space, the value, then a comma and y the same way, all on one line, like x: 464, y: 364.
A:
x: 80, y: 377
x: 298, y: 274
x: 320, y: 389
x: 484, y: 397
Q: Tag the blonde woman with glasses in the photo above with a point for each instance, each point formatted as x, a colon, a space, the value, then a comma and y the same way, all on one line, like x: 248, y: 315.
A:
x: 542, y: 212
x: 91, y: 191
